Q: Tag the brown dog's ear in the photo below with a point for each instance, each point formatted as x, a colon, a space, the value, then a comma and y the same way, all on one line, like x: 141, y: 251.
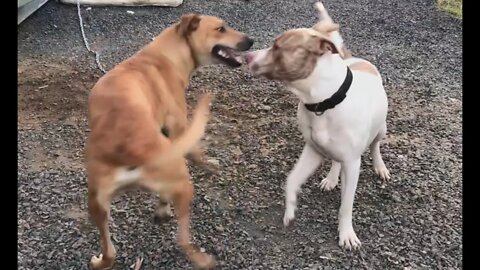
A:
x: 188, y: 23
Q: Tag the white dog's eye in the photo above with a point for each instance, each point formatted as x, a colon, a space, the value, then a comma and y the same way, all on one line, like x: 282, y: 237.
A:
x: 221, y: 29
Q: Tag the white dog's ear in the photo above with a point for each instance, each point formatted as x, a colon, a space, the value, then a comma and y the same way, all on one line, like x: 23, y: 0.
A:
x: 321, y: 45
x: 330, y: 27
x: 188, y: 23
x: 326, y: 27
x: 327, y: 45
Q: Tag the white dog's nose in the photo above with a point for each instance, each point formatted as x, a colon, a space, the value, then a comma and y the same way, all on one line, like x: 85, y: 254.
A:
x: 249, y: 57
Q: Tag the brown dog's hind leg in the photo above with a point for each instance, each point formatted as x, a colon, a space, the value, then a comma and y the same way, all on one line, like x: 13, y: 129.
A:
x: 182, y: 200
x: 99, y: 208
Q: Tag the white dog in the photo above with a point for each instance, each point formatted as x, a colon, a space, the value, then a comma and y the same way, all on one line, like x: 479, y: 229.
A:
x: 342, y: 111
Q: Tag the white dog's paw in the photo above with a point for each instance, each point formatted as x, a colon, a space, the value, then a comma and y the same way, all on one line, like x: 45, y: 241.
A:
x: 348, y: 239
x: 328, y: 184
x: 288, y: 216
x: 382, y: 171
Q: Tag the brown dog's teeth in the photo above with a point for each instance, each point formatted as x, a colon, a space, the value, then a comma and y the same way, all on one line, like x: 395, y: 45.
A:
x: 222, y: 53
x: 239, y: 59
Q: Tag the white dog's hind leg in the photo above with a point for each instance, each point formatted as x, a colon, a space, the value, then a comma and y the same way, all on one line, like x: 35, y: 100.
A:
x: 307, y: 163
x: 378, y: 164
x: 347, y: 237
x: 331, y: 181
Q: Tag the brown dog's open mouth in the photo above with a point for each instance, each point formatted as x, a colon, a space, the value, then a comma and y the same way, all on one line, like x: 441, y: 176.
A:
x: 227, y: 55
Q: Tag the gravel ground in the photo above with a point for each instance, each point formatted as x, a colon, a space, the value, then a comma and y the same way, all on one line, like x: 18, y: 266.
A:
x: 412, y: 222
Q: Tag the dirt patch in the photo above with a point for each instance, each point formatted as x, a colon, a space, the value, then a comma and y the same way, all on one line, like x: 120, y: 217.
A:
x: 51, y: 93
x: 40, y: 159
x: 48, y: 91
x: 76, y: 213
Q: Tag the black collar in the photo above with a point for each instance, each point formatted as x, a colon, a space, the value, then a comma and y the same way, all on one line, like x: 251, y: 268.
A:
x: 329, y: 103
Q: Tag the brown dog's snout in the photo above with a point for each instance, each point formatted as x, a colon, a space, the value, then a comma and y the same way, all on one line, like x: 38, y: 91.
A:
x: 245, y: 44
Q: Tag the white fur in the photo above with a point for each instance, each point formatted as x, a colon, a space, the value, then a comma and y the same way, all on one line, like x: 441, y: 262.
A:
x: 125, y: 177
x: 341, y: 134
x: 324, y: 16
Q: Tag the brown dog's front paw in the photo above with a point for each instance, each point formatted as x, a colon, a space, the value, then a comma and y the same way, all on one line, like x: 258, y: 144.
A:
x: 211, y: 166
x: 196, y: 155
x: 204, y: 261
x: 205, y: 100
x: 101, y: 263
x: 198, y: 158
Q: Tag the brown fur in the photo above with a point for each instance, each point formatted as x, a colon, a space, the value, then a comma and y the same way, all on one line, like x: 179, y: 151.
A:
x: 294, y: 54
x: 128, y: 107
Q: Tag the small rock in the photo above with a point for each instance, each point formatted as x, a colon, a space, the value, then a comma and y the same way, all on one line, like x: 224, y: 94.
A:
x: 396, y: 198
x: 266, y: 108
x: 252, y: 166
x: 213, y: 161
x: 219, y: 228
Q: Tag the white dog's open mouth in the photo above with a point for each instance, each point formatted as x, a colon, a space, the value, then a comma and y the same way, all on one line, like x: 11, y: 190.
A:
x: 227, y: 55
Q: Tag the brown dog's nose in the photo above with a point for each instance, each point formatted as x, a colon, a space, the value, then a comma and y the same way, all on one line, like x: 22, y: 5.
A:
x: 249, y: 42
x: 245, y: 44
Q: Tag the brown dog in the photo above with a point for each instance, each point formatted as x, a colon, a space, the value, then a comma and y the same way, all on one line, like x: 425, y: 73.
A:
x: 128, y: 107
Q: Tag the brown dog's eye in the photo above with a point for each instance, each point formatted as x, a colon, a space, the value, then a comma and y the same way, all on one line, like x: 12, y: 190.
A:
x: 221, y: 29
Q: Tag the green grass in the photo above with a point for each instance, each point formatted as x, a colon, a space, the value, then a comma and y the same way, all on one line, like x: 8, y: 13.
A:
x: 453, y: 7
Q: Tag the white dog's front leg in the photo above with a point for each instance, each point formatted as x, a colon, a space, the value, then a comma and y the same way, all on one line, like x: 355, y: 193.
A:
x: 350, y: 173
x: 307, y: 163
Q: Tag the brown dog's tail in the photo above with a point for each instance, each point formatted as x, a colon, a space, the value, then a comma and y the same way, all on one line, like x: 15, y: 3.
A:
x: 193, y: 134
